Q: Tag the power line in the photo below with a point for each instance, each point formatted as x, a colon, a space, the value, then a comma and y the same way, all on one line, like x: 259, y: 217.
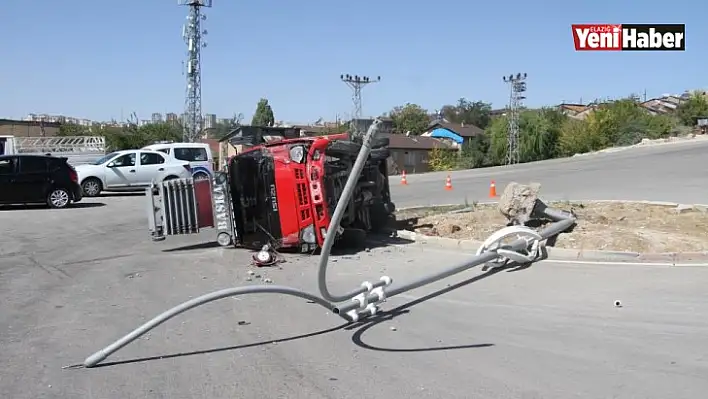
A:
x: 193, y: 36
x: 356, y: 83
x: 517, y: 88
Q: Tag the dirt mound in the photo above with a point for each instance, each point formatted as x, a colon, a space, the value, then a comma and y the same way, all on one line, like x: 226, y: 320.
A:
x: 610, y: 226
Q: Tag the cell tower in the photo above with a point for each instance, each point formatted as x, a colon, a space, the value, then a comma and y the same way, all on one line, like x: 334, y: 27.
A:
x: 517, y: 86
x: 357, y: 83
x: 193, y: 36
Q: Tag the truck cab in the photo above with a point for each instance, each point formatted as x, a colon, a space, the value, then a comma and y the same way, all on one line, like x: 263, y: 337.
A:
x: 282, y: 194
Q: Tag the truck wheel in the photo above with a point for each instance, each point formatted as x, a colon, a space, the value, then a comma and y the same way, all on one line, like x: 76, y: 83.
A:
x: 91, y: 187
x: 380, y: 154
x: 343, y: 149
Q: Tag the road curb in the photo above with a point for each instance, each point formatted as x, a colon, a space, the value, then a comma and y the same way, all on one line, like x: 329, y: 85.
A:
x: 674, y: 258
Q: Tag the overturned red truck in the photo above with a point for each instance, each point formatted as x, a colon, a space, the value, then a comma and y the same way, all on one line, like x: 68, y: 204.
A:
x: 280, y: 193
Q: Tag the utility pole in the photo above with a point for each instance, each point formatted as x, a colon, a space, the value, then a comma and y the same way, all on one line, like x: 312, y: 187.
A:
x: 357, y: 83
x: 193, y: 36
x: 517, y: 86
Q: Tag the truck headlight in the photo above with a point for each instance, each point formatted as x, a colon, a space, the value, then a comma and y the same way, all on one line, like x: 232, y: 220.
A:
x: 297, y: 153
x: 308, y: 235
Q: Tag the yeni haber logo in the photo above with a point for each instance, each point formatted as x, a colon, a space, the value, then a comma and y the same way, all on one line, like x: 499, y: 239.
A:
x: 625, y: 37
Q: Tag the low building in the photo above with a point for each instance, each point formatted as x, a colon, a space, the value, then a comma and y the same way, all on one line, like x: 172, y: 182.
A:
x: 412, y: 153
x: 456, y: 134
x: 11, y: 127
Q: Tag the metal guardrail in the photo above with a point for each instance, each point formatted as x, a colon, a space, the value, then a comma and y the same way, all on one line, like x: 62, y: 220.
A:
x: 61, y: 146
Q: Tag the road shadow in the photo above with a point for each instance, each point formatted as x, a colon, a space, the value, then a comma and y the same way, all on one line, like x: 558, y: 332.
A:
x: 345, y: 246
x: 123, y: 194
x: 358, y: 330
x: 194, y: 247
x: 368, y: 242
x: 43, y: 207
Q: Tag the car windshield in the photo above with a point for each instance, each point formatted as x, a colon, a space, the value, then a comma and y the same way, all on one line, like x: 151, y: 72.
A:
x: 105, y: 159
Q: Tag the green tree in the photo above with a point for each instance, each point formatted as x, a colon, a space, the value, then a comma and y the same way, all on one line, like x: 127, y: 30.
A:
x: 497, y: 136
x: 410, y: 118
x: 263, y: 115
x: 575, y: 138
x: 695, y: 107
x: 476, y: 113
x: 73, y: 129
x: 474, y: 153
x: 539, y: 132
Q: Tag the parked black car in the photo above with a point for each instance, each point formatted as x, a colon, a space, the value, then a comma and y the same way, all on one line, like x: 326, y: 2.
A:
x: 37, y: 179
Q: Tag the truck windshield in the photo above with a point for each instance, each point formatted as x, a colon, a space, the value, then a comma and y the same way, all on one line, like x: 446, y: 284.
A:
x: 105, y: 159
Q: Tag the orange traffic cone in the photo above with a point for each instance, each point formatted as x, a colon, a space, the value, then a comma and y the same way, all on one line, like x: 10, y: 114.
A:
x: 448, y: 183
x: 492, y: 189
x: 404, y: 182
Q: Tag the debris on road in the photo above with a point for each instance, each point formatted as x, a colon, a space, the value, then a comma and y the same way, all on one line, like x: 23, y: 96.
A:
x: 609, y: 226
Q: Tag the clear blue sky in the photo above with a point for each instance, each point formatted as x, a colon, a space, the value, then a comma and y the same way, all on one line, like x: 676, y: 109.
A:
x: 97, y: 58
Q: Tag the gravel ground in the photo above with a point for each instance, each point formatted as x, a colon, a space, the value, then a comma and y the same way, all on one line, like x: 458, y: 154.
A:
x: 631, y: 227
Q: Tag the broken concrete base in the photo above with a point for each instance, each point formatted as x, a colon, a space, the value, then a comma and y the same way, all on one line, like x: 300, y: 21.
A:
x: 517, y: 202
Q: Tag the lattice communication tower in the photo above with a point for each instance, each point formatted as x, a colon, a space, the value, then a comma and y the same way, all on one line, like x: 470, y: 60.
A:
x: 193, y: 36
x: 517, y: 85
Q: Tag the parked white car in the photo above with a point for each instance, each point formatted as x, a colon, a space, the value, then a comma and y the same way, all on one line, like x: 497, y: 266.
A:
x: 197, y: 154
x: 129, y: 170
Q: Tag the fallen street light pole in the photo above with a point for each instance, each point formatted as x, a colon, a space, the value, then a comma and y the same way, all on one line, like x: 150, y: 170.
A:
x: 519, y: 245
x: 528, y: 247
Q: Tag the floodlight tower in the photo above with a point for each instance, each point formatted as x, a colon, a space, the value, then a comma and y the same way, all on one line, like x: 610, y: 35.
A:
x: 356, y: 83
x: 193, y: 36
x: 517, y: 84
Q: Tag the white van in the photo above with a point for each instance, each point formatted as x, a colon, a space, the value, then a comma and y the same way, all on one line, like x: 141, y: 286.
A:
x: 197, y: 154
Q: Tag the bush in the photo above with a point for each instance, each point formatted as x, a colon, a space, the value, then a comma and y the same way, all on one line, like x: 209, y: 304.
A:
x: 442, y: 160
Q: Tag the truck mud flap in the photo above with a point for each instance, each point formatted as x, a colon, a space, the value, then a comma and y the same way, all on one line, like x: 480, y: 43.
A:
x: 185, y: 206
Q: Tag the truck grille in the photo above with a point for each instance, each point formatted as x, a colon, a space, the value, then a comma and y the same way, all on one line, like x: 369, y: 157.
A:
x: 180, y: 210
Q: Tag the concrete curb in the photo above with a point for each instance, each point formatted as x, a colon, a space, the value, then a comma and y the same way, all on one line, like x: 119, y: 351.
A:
x: 642, y: 202
x: 674, y: 258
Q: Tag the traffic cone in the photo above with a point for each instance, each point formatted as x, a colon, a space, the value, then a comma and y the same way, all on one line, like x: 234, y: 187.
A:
x: 448, y: 183
x: 492, y: 189
x: 404, y: 182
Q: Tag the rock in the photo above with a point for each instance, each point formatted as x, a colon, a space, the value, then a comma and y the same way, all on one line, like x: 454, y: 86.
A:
x: 518, y: 200
x: 454, y: 228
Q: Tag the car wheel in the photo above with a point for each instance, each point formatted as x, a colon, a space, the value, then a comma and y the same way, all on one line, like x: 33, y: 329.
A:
x: 169, y: 178
x: 58, y: 198
x: 91, y: 187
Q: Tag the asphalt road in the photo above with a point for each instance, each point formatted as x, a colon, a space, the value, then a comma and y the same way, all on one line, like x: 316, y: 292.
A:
x: 671, y: 172
x: 72, y: 281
